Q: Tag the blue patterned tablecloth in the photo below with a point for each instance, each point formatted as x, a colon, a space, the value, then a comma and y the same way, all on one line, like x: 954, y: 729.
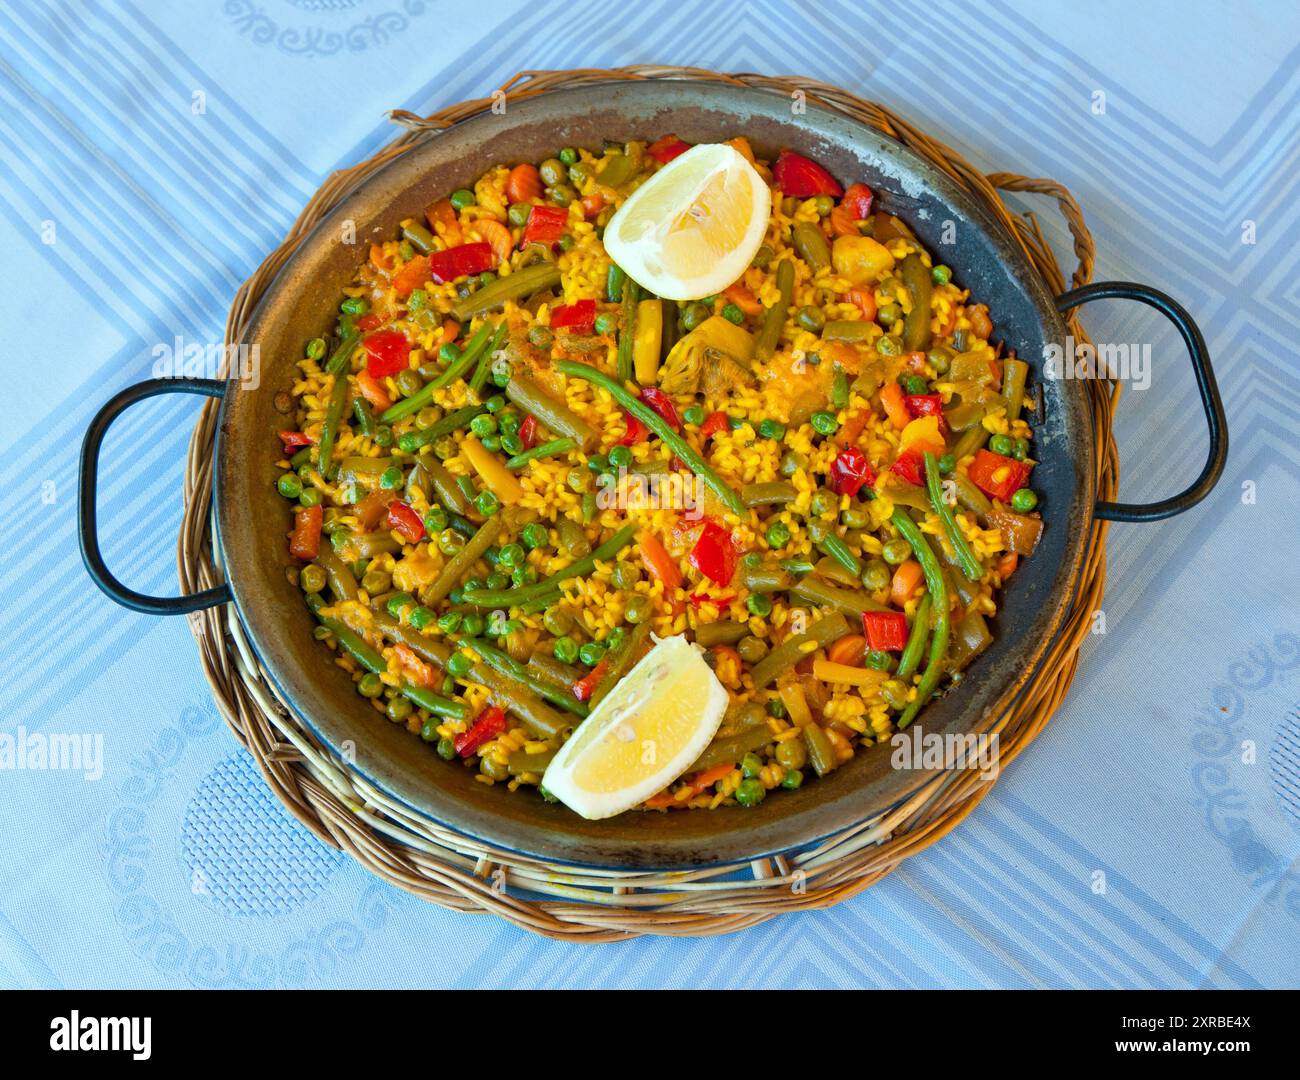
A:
x: 154, y: 152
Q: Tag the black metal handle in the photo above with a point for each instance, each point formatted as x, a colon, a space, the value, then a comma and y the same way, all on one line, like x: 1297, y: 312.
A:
x: 88, y: 526
x: 1214, y: 417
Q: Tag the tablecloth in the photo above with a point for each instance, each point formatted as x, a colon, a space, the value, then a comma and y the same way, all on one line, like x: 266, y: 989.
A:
x: 154, y: 152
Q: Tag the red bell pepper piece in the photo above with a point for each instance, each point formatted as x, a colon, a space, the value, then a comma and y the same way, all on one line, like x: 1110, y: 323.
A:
x: 802, y: 177
x: 528, y: 432
x: 491, y: 722
x: 406, y: 522
x: 667, y: 147
x: 369, y: 322
x: 456, y: 262
x: 545, y: 225
x: 411, y: 276
x: 858, y: 199
x: 636, y: 431
x: 577, y: 318
x: 926, y: 405
x: 886, y: 630
x: 586, y: 686
x: 663, y: 405
x: 997, y: 475
x: 850, y: 471
x: 304, y: 541
x: 714, y: 424
x: 387, y: 353
x: 295, y: 440
x: 910, y: 466
x: 714, y: 554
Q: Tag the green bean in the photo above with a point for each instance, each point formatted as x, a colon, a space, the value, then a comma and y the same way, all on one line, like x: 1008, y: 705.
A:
x: 342, y: 582
x: 621, y: 661
x: 828, y: 628
x: 722, y: 632
x: 419, y: 237
x: 453, y: 421
x: 337, y: 365
x: 627, y: 331
x: 467, y: 359
x: 769, y: 334
x: 840, y: 389
x: 525, y: 282
x: 554, y: 672
x: 965, y: 416
x: 552, y: 414
x: 810, y: 242
x: 445, y: 486
x: 971, y: 440
x: 911, y: 655
x: 522, y: 595
x: 916, y: 326
x: 614, y: 283
x: 765, y: 578
x: 483, y: 368
x: 521, y: 761
x: 765, y: 494
x: 732, y: 748
x: 656, y: 423
x: 573, y: 538
x: 972, y: 498
x: 835, y: 571
x: 938, y: 587
x: 818, y: 594
x: 854, y: 330
x: 365, y: 418
x: 1014, y: 373
x: 837, y: 549
x: 537, y: 453
x: 354, y: 468
x: 507, y: 665
x: 458, y: 565
x: 970, y: 565
x: 821, y: 754
x: 368, y: 658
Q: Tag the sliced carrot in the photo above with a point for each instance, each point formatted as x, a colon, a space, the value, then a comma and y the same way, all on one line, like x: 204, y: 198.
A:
x: 1007, y: 565
x: 411, y: 276
x: 592, y: 204
x: 866, y: 301
x: 849, y: 650
x: 373, y: 391
x: 498, y: 236
x: 907, y: 579
x: 852, y: 427
x: 378, y: 259
x: 416, y: 669
x: 450, y: 328
x: 842, y: 222
x: 915, y: 361
x: 657, y: 560
x: 743, y: 299
x: 892, y: 398
x: 523, y: 184
x: 442, y: 213
x: 695, y: 785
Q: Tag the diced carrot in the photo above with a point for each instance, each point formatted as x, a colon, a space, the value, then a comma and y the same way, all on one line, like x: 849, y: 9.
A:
x: 523, y: 184
x: 848, y: 650
x: 450, y: 328
x: 442, y: 213
x: 893, y: 399
x: 695, y: 785
x: 980, y: 322
x: 852, y: 427
x: 592, y: 204
x: 743, y: 299
x: 378, y: 259
x: 907, y: 579
x: 373, y: 391
x: 1007, y: 565
x: 411, y: 276
x: 416, y: 669
x: 842, y: 222
x: 657, y: 560
x: 497, y: 236
x: 866, y: 301
x: 915, y: 361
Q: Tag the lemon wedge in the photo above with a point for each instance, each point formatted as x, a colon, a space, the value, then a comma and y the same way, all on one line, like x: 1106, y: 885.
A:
x: 643, y: 735
x: 692, y: 228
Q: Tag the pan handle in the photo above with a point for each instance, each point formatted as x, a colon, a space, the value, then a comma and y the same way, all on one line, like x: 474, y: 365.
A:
x: 87, y: 524
x: 1210, y: 400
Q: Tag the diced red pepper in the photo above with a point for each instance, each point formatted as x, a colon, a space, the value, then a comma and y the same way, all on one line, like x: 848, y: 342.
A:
x: 406, y: 522
x: 714, y: 424
x: 850, y: 471
x: 927, y: 405
x: 304, y: 541
x: 910, y: 466
x: 387, y: 353
x: 663, y: 405
x: 295, y: 440
x: 997, y: 475
x: 528, y: 432
x: 714, y: 554
x: 858, y: 198
x: 886, y: 630
x: 491, y: 722
x: 636, y: 431
x: 667, y: 147
x: 545, y: 225
x: 369, y: 322
x: 456, y: 262
x: 586, y: 686
x: 802, y: 177
x: 413, y: 274
x: 577, y: 318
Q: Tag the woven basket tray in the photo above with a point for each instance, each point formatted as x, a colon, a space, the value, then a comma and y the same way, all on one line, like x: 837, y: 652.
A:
x: 589, y: 904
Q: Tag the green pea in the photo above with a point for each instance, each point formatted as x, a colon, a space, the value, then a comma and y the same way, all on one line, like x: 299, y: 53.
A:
x: 947, y: 463
x: 940, y: 358
x: 876, y: 575
x: 354, y: 305
x: 399, y: 708
x: 625, y: 575
x: 579, y: 173
x: 510, y: 422
x: 776, y: 707
x: 446, y: 747
x: 391, y: 478
x: 792, y: 753
x: 605, y: 323
x: 565, y: 649
x: 485, y: 278
x: 461, y: 198
x: 792, y: 779
x: 879, y: 660
x: 888, y: 345
x: 459, y: 664
x: 448, y: 353
x: 592, y: 653
x: 370, y: 685
x: 561, y: 195
x: 1002, y: 444
x: 376, y: 581
x: 888, y: 314
x: 399, y: 602
x: 771, y: 429
x: 557, y: 622
x: 512, y: 555
x: 316, y: 348
x: 915, y: 385
x: 289, y: 485
x: 310, y: 496
x: 824, y: 423
x: 435, y: 520
x: 540, y: 336
x: 695, y: 314
x: 483, y: 425
x: 751, y: 792
x: 408, y: 381
x: 811, y: 318
x: 486, y: 503
x: 497, y: 580
x: 759, y: 604
x: 897, y: 551
x: 854, y: 518
x: 311, y: 578
x: 597, y: 463
x: 620, y: 456
x: 383, y: 436
x: 518, y: 213
x: 638, y: 608
x: 449, y: 623
x: 778, y: 534
x: 733, y: 314
x: 751, y: 649
x: 553, y: 171
x: 1020, y: 449
x: 822, y: 502
x: 445, y: 449
x: 763, y: 257
x: 894, y: 691
x: 694, y: 415
x: 450, y: 541
x: 1023, y: 501
x: 792, y: 463
x: 751, y: 765
x: 568, y: 155
x: 533, y: 535
x: 824, y: 204
x: 941, y: 274
x: 421, y: 617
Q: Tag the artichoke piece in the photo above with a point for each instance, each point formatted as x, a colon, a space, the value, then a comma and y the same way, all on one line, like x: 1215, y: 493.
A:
x: 715, y: 357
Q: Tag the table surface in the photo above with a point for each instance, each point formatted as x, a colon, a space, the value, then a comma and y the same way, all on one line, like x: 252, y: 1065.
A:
x: 154, y: 152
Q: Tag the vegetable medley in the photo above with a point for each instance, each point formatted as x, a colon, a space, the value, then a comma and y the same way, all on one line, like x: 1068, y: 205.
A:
x: 513, y: 467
